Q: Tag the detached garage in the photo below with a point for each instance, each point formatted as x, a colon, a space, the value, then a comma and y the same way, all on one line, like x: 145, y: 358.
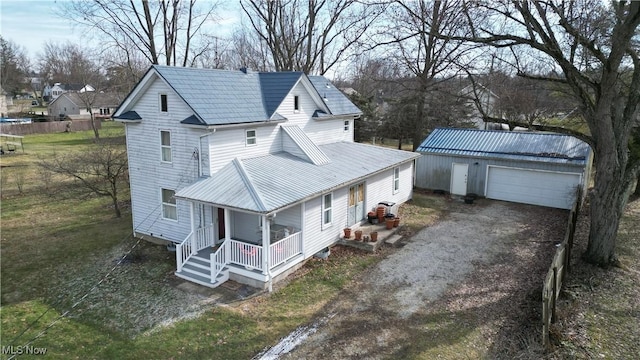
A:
x: 527, y: 167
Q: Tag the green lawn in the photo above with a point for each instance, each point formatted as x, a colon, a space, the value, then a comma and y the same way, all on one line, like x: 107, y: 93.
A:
x: 58, y: 242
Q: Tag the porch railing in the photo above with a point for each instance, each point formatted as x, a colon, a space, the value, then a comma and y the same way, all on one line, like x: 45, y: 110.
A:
x: 245, y: 254
x: 285, y: 249
x: 218, y: 261
x: 194, y: 242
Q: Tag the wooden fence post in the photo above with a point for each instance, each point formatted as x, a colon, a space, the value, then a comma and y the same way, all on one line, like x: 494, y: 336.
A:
x: 554, y: 295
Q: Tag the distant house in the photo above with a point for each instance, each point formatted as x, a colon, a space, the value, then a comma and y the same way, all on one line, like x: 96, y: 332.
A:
x: 481, y: 97
x: 52, y: 92
x: 526, y: 167
x: 76, y: 104
x: 6, y: 100
x: 250, y: 173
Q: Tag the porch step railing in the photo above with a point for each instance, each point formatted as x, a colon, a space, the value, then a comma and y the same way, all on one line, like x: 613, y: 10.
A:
x: 218, y: 261
x: 194, y: 242
x: 285, y: 249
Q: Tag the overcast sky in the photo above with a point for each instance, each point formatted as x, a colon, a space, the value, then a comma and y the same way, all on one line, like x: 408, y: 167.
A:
x: 31, y: 23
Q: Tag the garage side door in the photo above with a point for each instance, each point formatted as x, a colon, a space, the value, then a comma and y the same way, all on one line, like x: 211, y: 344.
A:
x: 545, y: 188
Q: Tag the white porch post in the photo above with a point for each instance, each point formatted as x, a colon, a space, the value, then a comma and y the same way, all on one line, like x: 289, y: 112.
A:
x: 191, y: 211
x: 227, y: 223
x: 266, y: 234
x: 302, y: 222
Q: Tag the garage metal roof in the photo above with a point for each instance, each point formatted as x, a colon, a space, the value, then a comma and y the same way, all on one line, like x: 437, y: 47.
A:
x: 517, y: 145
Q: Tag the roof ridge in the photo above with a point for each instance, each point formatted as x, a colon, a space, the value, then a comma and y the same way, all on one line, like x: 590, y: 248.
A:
x: 247, y: 180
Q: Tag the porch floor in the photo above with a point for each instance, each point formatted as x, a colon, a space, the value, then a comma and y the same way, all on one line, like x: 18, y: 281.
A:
x: 383, y: 235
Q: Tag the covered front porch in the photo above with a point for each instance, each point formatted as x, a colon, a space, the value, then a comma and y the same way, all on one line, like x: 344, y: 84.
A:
x: 246, y: 247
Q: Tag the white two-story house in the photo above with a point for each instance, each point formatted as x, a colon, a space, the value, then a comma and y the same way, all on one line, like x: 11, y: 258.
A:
x: 250, y: 173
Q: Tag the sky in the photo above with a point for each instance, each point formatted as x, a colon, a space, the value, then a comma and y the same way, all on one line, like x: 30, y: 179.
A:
x: 31, y: 23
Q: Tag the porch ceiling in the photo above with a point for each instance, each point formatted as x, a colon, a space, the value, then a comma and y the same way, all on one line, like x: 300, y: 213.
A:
x: 267, y: 183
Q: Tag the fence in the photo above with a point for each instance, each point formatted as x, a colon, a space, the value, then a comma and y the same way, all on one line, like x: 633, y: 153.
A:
x: 48, y: 127
x: 557, y: 273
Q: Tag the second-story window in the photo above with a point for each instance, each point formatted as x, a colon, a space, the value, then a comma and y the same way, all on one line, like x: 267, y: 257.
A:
x: 164, y: 107
x: 250, y: 137
x: 165, y: 145
x: 296, y: 103
x: 346, y: 125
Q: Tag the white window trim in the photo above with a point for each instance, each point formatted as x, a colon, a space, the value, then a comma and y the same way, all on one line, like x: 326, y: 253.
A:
x: 396, y: 180
x: 254, y: 137
x: 160, y: 103
x: 324, y: 209
x: 162, y: 147
x: 168, y: 204
x: 347, y: 125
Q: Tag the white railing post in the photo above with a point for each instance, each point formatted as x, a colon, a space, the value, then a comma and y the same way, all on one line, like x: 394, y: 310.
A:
x: 179, y: 256
x: 214, y: 265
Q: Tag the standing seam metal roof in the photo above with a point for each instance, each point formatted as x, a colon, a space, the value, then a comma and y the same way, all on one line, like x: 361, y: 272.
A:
x: 530, y: 146
x: 305, y: 144
x: 283, y: 179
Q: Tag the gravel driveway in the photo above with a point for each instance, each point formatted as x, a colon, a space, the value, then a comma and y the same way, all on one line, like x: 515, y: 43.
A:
x: 372, y: 318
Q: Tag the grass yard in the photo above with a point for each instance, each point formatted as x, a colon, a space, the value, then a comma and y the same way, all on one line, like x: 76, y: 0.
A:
x: 58, y: 244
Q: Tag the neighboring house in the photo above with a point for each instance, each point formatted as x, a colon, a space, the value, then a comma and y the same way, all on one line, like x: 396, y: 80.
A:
x: 480, y: 96
x: 58, y: 89
x: 250, y: 173
x: 6, y: 100
x: 69, y: 104
x: 526, y: 167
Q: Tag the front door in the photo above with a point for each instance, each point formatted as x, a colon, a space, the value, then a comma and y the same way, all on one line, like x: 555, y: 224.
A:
x: 221, y: 234
x: 459, y: 179
x: 356, y: 204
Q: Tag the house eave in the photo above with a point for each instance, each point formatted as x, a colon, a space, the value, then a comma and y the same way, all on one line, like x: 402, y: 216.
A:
x: 235, y: 125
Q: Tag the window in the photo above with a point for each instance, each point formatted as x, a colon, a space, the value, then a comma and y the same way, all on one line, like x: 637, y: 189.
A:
x: 396, y: 180
x: 165, y: 145
x: 250, y: 137
x: 169, y: 208
x: 327, y: 214
x: 296, y: 103
x: 164, y: 107
x: 346, y: 125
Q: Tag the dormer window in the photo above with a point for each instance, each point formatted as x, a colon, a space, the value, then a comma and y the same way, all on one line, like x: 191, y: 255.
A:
x: 250, y: 137
x: 164, y: 107
x: 296, y: 103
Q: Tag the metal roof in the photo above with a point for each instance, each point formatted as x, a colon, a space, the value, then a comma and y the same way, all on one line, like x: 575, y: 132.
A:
x: 530, y: 146
x: 308, y: 149
x: 267, y: 183
x: 336, y: 101
x: 275, y: 86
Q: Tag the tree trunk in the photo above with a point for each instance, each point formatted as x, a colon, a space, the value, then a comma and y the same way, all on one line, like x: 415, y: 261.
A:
x: 636, y: 194
x: 116, y: 208
x: 93, y: 125
x: 608, y: 201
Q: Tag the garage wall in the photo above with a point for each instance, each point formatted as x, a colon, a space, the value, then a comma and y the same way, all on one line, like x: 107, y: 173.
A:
x: 433, y: 171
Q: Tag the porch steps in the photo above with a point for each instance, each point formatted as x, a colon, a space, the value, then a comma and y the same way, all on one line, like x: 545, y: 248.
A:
x: 198, y: 270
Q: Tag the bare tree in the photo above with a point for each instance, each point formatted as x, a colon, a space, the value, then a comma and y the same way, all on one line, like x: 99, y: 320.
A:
x: 594, y: 48
x: 160, y: 30
x: 14, y: 65
x: 310, y: 36
x: 102, y: 169
x: 428, y: 59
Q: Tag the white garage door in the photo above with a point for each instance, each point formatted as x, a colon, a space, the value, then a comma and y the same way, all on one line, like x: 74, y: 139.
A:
x: 545, y: 188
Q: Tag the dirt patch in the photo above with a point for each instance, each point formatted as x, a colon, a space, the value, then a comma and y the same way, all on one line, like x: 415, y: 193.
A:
x: 473, y: 278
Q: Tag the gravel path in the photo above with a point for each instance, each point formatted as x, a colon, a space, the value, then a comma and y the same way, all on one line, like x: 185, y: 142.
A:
x: 372, y: 319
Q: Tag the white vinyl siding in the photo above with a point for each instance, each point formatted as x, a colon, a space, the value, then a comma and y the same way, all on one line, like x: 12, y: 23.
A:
x: 327, y: 210
x: 169, y: 208
x: 165, y: 145
x: 225, y: 145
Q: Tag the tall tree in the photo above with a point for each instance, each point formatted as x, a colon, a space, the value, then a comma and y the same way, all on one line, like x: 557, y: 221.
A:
x: 427, y: 58
x: 594, y: 48
x: 163, y: 31
x: 310, y: 36
x: 14, y: 66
